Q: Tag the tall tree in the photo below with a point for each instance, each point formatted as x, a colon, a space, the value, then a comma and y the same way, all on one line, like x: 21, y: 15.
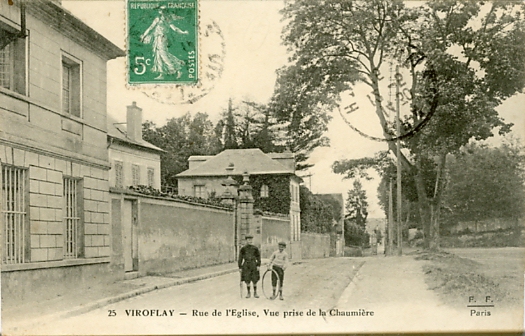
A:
x: 180, y: 138
x: 357, y: 205
x: 463, y: 58
x: 356, y: 215
x: 247, y: 124
x: 230, y: 136
x: 302, y: 118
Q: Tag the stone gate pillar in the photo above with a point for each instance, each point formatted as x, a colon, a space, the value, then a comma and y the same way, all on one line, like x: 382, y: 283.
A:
x: 245, y: 209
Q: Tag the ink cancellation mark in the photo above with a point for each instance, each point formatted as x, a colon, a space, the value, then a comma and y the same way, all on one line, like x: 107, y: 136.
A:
x: 162, y: 42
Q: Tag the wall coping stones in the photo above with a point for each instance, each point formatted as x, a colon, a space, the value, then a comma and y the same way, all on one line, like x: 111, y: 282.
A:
x: 114, y: 190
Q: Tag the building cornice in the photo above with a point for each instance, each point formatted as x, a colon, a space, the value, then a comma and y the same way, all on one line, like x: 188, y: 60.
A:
x: 67, y: 24
x: 57, y: 153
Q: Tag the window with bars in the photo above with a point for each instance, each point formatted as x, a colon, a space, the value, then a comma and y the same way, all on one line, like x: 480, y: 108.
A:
x: 71, y: 90
x: 119, y: 174
x: 13, y: 69
x: 14, y: 213
x: 151, y: 177
x: 72, y: 217
x: 135, y: 175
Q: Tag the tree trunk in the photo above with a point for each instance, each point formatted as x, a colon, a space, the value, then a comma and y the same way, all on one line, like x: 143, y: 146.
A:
x: 423, y: 204
x: 436, y: 205
x: 434, y: 227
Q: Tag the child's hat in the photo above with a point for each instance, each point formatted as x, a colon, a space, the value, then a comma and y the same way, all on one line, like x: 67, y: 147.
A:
x: 282, y: 244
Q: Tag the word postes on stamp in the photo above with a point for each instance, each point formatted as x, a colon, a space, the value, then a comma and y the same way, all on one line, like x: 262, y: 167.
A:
x: 162, y: 42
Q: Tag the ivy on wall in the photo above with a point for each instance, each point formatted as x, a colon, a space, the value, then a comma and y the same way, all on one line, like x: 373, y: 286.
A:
x: 316, y: 215
x: 150, y: 191
x: 278, y: 200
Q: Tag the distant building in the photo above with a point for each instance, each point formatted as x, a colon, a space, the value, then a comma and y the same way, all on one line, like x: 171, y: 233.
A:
x: 53, y: 149
x: 133, y: 160
x: 272, y: 177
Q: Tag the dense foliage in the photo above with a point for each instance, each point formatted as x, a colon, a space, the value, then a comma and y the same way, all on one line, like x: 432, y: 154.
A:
x: 316, y: 215
x: 150, y: 191
x: 279, y: 193
x: 180, y: 138
x: 463, y: 59
x: 486, y: 183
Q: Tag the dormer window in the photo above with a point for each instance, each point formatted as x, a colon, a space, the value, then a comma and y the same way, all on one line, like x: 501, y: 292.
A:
x: 265, y: 191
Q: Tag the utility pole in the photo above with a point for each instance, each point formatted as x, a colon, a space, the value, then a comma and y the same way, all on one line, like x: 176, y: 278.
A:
x: 390, y: 247
x: 309, y: 180
x: 398, y: 153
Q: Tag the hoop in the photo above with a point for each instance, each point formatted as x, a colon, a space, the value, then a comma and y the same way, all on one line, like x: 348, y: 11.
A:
x: 271, y: 270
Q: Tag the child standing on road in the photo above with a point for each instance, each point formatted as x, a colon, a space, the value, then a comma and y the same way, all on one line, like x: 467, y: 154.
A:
x: 279, y: 262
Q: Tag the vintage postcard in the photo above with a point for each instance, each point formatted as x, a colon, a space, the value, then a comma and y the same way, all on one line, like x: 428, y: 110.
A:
x: 261, y: 167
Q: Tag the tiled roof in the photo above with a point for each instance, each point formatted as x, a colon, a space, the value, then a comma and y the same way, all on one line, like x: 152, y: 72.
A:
x: 118, y: 131
x: 253, y: 161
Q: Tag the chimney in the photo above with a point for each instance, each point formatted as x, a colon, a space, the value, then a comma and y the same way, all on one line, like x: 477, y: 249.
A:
x: 134, y: 122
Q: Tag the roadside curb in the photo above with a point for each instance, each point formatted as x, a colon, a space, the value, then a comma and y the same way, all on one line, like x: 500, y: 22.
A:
x: 351, y: 286
x: 137, y: 292
x: 46, y: 319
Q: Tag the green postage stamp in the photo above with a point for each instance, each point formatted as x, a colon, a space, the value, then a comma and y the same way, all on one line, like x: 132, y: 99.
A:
x: 163, y: 42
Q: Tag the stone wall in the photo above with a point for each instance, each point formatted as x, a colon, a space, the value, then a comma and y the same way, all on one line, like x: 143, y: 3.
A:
x: 315, y: 245
x: 174, y: 235
x: 487, y: 225
x: 273, y: 230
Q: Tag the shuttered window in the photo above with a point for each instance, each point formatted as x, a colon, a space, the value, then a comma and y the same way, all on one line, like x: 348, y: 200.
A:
x: 119, y: 174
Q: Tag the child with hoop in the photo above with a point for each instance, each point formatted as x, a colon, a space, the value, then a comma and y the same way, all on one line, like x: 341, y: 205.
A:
x: 279, y: 262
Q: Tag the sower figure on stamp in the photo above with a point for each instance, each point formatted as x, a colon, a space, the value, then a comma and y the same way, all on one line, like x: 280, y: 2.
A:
x: 249, y: 263
x: 279, y: 262
x: 157, y: 34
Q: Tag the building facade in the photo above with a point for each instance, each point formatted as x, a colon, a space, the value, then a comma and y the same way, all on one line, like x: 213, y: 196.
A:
x: 133, y: 161
x: 55, y: 170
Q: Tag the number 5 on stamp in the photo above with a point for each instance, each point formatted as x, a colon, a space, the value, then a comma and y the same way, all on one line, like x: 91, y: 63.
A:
x: 162, y: 42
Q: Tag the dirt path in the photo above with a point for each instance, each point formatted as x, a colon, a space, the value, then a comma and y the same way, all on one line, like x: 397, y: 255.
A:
x: 395, y: 290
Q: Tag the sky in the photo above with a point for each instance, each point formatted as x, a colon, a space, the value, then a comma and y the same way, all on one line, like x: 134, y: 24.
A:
x: 250, y: 42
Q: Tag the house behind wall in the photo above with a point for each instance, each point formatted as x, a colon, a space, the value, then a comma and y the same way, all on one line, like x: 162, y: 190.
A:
x: 134, y: 161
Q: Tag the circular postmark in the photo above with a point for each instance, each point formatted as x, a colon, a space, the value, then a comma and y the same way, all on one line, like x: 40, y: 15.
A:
x: 404, y: 96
